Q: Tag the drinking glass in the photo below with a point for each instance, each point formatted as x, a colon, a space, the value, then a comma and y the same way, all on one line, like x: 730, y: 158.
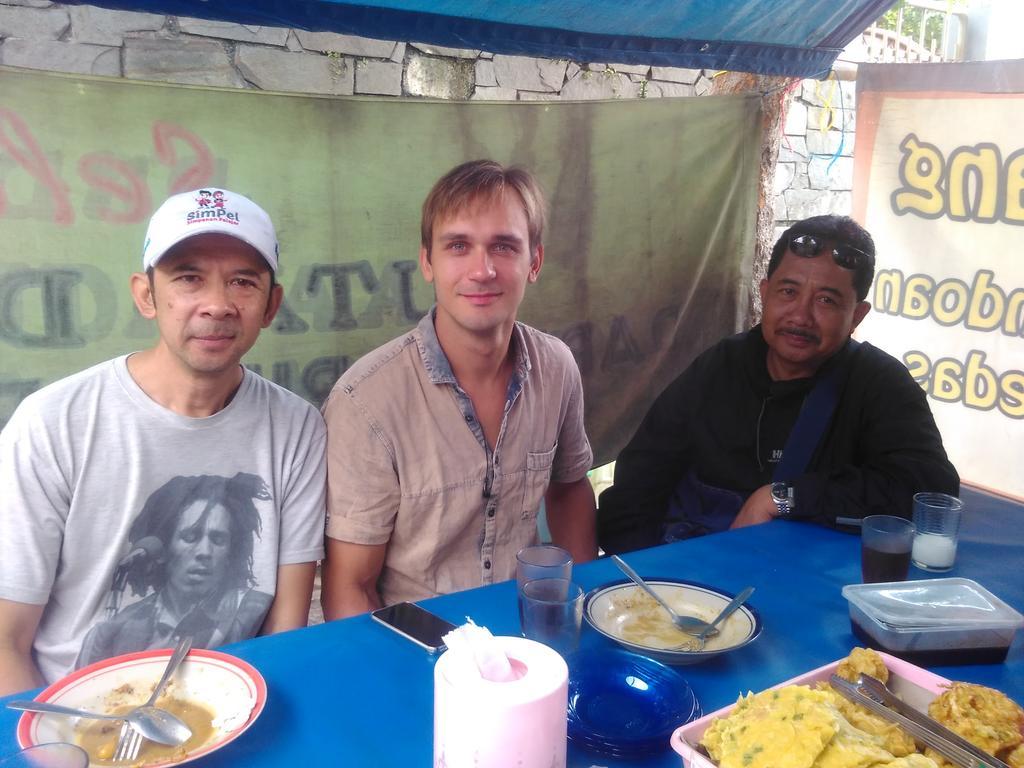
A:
x: 937, y: 520
x: 551, y: 611
x: 543, y: 561
x: 55, y: 755
x: 885, y: 542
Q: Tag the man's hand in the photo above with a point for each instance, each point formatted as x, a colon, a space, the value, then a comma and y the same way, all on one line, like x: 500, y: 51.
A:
x: 571, y: 512
x: 18, y: 623
x: 349, y: 578
x: 758, y: 508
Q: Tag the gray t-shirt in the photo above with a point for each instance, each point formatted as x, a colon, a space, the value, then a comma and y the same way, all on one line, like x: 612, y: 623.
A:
x: 134, y: 525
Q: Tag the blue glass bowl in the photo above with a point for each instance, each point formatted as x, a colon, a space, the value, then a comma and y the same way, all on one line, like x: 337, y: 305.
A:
x: 622, y: 704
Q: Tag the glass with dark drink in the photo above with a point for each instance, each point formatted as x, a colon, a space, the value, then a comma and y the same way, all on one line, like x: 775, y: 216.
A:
x: 885, y: 545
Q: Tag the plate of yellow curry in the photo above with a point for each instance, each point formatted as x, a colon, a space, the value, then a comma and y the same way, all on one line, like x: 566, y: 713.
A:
x: 217, y: 695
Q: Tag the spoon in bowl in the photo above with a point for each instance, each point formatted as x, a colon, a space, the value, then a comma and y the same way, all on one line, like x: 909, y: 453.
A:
x: 691, y: 625
x: 697, y: 644
x: 164, y: 727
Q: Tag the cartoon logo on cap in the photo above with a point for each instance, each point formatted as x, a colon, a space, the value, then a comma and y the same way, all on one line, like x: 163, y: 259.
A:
x: 211, y: 208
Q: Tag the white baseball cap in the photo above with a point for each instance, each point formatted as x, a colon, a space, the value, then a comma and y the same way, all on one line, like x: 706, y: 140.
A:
x: 209, y: 209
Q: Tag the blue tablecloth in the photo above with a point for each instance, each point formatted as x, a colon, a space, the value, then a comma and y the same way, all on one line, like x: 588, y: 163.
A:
x: 354, y: 693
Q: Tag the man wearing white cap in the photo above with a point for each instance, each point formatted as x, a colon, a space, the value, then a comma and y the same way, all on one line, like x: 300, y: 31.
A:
x: 170, y: 491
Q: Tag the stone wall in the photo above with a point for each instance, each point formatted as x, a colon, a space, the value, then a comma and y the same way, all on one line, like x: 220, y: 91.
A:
x: 84, y: 39
x: 811, y: 178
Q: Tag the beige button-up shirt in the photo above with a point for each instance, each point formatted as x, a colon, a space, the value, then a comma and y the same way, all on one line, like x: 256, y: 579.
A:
x: 408, y: 465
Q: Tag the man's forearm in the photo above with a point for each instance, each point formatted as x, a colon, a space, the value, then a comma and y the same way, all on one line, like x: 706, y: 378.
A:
x: 17, y: 672
x: 571, y: 514
x: 343, y: 601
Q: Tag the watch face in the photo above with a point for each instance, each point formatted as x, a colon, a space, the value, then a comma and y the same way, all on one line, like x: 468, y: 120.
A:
x: 780, y: 492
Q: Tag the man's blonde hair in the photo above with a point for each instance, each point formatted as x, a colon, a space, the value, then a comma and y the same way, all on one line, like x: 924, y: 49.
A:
x: 483, y: 181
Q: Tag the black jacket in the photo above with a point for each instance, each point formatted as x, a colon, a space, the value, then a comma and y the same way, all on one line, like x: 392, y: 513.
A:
x: 726, y: 418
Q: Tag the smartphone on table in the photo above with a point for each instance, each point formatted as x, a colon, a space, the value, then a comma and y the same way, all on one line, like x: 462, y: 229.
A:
x: 415, y: 623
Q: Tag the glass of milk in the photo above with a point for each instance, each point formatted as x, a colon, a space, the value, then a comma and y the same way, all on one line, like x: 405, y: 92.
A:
x: 937, y: 524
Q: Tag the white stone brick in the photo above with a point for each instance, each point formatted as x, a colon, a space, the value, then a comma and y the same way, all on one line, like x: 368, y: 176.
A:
x: 29, y: 3
x: 440, y: 50
x: 379, y: 77
x: 702, y: 87
x: 33, y: 23
x: 55, y: 56
x: 656, y: 89
x: 802, y: 203
x: 817, y: 92
x: 535, y: 96
x: 185, y: 60
x: 347, y: 44
x: 829, y: 142
x: 600, y: 85
x: 100, y: 26
x: 275, y: 70
x: 784, y: 173
x: 838, y: 119
x: 796, y: 119
x: 676, y: 74
x: 485, y: 73
x: 571, y: 69
x: 292, y: 43
x: 840, y: 177
x: 526, y: 73
x: 439, y: 78
x: 399, y: 53
x: 227, y: 30
x: 622, y: 69
x: 792, y: 148
x: 488, y: 93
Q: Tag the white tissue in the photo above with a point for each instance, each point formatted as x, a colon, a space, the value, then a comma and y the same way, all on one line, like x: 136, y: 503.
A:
x: 478, y: 653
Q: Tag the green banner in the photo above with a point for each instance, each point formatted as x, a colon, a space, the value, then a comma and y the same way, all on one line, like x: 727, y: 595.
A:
x: 647, y: 255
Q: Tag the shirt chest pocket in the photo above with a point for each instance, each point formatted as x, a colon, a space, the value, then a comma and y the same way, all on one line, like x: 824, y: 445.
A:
x: 538, y: 477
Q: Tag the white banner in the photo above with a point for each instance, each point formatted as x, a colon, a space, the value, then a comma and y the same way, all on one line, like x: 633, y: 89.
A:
x: 939, y: 183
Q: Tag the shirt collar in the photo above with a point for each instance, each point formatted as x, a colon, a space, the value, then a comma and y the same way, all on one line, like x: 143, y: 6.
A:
x: 436, y: 362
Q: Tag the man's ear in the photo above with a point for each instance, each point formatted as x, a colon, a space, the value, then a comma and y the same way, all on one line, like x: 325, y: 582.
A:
x: 273, y: 304
x: 142, y: 294
x: 536, y: 264
x: 859, y: 313
x: 425, y: 266
x: 764, y: 291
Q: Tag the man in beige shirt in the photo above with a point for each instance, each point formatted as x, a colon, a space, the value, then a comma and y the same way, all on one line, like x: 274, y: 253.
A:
x: 443, y: 443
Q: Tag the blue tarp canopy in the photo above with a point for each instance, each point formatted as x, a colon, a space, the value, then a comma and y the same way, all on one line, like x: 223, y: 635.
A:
x: 775, y: 37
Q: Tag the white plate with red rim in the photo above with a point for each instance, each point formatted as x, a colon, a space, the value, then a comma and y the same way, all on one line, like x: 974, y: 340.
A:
x: 230, y: 688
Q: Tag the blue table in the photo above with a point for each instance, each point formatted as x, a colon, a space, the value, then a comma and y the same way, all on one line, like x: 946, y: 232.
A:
x: 354, y: 693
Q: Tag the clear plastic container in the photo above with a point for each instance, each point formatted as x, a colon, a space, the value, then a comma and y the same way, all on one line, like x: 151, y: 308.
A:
x: 935, y: 621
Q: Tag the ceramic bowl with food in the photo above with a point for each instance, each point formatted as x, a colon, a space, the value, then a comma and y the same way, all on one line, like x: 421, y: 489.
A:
x: 217, y: 695
x: 626, y: 614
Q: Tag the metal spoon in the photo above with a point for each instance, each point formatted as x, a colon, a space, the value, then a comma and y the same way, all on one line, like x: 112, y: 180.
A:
x: 691, y: 625
x: 168, y: 732
x: 155, y: 724
x: 697, y: 644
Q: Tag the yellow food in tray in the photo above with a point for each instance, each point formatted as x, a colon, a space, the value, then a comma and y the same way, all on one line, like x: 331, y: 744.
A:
x: 985, y: 717
x: 797, y: 727
x: 802, y: 727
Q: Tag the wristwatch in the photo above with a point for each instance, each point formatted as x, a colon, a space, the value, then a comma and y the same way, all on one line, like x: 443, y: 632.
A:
x: 785, y: 500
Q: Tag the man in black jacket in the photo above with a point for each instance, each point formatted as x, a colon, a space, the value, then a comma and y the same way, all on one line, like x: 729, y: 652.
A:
x: 708, y: 454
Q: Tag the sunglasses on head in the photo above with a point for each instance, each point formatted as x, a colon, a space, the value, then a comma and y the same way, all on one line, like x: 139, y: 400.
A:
x: 846, y: 256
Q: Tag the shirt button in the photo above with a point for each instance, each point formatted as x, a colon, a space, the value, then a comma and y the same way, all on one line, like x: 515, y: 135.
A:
x: 490, y: 512
x: 469, y: 418
x: 487, y: 565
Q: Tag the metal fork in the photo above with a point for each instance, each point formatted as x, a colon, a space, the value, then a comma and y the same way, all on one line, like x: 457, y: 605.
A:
x: 129, y: 741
